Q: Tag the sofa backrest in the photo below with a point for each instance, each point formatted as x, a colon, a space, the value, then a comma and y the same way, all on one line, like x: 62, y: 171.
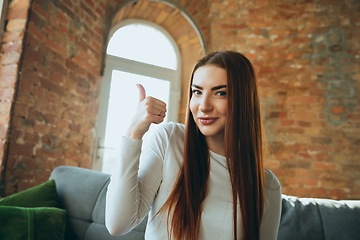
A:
x: 82, y: 194
x: 319, y: 219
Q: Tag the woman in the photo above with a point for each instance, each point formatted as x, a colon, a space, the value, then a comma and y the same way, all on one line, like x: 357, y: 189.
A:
x: 205, y: 179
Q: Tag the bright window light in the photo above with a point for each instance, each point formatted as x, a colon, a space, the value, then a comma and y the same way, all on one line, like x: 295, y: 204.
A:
x: 143, y: 43
x: 123, y: 103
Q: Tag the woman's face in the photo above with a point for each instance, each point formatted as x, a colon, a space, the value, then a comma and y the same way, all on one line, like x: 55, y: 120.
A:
x: 208, y: 103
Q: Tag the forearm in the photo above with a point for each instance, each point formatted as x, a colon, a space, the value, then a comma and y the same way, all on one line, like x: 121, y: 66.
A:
x: 122, y: 212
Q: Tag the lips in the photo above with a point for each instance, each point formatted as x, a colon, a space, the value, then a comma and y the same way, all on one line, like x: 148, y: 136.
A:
x: 207, y: 120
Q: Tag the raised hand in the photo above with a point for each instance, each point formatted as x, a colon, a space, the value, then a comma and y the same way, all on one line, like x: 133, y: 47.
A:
x: 150, y: 110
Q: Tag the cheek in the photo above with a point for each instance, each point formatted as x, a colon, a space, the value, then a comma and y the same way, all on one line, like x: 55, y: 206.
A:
x: 192, y: 106
x: 224, y: 109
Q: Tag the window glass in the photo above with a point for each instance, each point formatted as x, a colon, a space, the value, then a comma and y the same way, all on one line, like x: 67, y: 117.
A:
x: 143, y: 43
x: 123, y: 102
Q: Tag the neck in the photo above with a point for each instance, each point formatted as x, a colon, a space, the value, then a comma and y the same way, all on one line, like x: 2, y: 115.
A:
x: 216, y: 144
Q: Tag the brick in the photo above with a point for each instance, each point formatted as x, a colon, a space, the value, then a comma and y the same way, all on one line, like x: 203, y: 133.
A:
x: 35, y: 115
x: 16, y: 25
x: 304, y: 115
x: 42, y: 176
x: 290, y: 130
x: 302, y: 181
x: 337, y: 194
x: 5, y: 107
x: 305, y: 156
x: 8, y: 70
x: 82, y: 63
x: 318, y: 192
x: 19, y: 4
x: 304, y: 123
x: 303, y: 173
x: 12, y: 58
x: 50, y: 153
x: 52, y: 87
x: 286, y: 122
x: 12, y: 36
x: 52, y: 97
x: 324, y: 165
x: 48, y: 142
x: 50, y: 118
x: 3, y: 132
x: 40, y: 11
x: 21, y: 149
x: 31, y: 138
x: 335, y: 184
x: 74, y: 127
x: 12, y: 47
x: 34, y: 56
x: 57, y: 48
x: 278, y: 115
x: 17, y: 13
x: 322, y: 157
x: 38, y: 92
x: 21, y: 109
x: 25, y: 86
x: 62, y: 123
x: 36, y: 32
x: 302, y: 99
x: 7, y: 94
x: 321, y: 140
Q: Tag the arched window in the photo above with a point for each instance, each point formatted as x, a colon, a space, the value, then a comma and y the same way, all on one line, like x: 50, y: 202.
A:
x: 138, y: 52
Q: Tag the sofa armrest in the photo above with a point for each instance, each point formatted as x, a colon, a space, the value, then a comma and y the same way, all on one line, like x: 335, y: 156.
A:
x: 82, y: 194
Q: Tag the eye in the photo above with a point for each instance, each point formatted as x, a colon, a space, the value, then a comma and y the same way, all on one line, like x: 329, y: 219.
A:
x: 221, y: 93
x: 196, y: 92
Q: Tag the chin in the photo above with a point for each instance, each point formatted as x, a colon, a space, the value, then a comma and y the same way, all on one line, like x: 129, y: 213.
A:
x: 210, y: 132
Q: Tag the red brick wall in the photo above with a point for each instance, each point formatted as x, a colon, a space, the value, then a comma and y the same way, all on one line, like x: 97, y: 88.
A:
x: 307, y: 57
x: 55, y: 109
x: 306, y: 54
x: 11, y: 51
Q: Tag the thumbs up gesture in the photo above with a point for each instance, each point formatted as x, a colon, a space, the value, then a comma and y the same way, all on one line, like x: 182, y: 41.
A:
x: 150, y: 110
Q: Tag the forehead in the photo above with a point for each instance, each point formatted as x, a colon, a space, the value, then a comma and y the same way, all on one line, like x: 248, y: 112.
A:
x: 210, y: 75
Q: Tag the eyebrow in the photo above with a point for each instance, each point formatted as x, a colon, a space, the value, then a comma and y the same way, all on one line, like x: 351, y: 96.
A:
x: 214, y: 88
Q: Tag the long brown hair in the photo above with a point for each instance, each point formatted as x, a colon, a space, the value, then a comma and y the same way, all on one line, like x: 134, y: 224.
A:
x: 244, y: 155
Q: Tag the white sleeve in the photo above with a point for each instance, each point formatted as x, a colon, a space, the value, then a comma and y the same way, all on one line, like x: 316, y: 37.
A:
x: 271, y: 217
x: 133, y: 186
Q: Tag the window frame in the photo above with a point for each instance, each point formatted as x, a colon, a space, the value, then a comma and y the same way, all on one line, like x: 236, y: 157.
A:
x: 140, y: 68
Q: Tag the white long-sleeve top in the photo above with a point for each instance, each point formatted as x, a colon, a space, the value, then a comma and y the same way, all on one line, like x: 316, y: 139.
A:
x: 143, y: 180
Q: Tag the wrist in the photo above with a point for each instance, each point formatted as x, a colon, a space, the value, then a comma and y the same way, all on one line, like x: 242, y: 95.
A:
x: 134, y: 135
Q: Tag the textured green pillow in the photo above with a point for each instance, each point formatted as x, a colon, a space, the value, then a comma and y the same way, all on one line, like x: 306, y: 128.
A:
x: 43, y: 195
x: 18, y: 223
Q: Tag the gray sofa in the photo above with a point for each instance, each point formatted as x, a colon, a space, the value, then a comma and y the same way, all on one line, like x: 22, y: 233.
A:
x: 82, y: 192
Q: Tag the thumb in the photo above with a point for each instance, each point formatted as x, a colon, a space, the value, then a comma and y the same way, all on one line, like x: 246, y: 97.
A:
x: 142, y: 93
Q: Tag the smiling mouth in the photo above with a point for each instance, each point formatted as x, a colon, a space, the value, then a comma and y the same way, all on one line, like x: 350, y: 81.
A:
x: 207, y: 121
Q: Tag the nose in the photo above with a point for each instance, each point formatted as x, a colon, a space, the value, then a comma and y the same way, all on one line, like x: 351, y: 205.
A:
x: 205, y: 104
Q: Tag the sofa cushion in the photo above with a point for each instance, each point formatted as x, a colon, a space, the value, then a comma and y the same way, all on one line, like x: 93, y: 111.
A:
x: 300, y: 219
x: 318, y: 219
x: 17, y: 223
x: 341, y: 219
x: 43, y: 195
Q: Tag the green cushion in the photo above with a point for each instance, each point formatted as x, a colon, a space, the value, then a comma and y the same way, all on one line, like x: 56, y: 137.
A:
x: 43, y: 195
x: 42, y: 223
